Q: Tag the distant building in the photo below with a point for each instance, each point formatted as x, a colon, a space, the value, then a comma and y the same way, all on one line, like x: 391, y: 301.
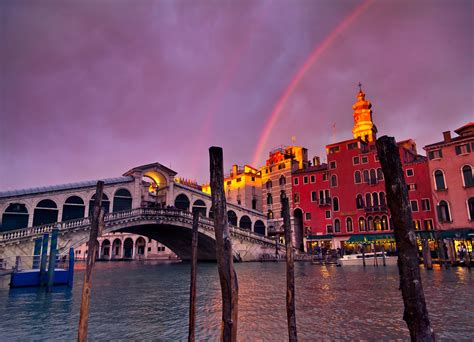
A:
x: 451, y: 163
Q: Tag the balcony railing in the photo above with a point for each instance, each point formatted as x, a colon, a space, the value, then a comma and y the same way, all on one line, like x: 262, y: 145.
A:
x: 324, y: 202
x: 376, y: 209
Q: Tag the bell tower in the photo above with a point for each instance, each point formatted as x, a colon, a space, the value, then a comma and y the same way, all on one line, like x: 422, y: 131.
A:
x: 364, y: 128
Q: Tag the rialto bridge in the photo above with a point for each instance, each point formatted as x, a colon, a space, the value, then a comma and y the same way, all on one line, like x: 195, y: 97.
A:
x: 146, y: 200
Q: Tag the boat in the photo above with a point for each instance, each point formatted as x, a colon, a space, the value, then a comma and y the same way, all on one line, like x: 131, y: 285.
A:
x: 358, y: 259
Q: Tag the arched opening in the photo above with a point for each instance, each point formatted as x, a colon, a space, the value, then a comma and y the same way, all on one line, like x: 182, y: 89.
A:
x: 232, y: 217
x: 140, y: 246
x: 122, y: 200
x: 182, y: 202
x: 439, y: 180
x: 128, y: 248
x: 467, y: 176
x: 359, y: 202
x: 368, y: 200
x: 377, y: 223
x: 349, y: 225
x: 105, y: 249
x: 373, y: 177
x: 333, y: 181
x: 370, y: 223
x: 357, y: 177
x: 200, y: 207
x: 375, y: 199
x: 298, y: 215
x: 362, y: 227
x: 105, y: 204
x: 269, y: 199
x: 384, y: 223
x: 268, y: 184
x: 245, y: 222
x: 470, y: 208
x: 366, y: 176
x: 282, y: 180
x: 45, y: 212
x: 335, y: 204
x: 15, y: 217
x: 337, y: 226
x: 73, y: 208
x: 259, y: 227
x: 116, y: 249
x: 443, y: 212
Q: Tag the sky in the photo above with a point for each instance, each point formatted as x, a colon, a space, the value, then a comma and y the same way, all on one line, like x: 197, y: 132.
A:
x: 91, y: 89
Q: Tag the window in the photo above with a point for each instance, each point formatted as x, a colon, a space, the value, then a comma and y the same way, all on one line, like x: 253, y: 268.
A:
x: 463, y: 149
x: 352, y: 146
x: 410, y: 173
x: 269, y: 184
x: 425, y: 204
x: 282, y: 180
x: 417, y: 224
x: 334, y: 149
x: 328, y: 214
x: 314, y: 197
x: 377, y: 223
x: 467, y: 176
x: 359, y: 202
x: 356, y: 160
x: 296, y: 181
x: 414, y: 205
x: 373, y: 177
x: 361, y: 224
x: 307, y: 216
x: 296, y: 197
x: 411, y: 187
x: 253, y: 179
x: 333, y: 181
x: 370, y: 223
x: 365, y: 160
x: 229, y: 182
x: 382, y: 199
x: 349, y: 224
x: 325, y: 176
x: 439, y: 180
x: 269, y: 199
x: 470, y: 208
x: 337, y: 226
x: 368, y: 200
x: 435, y: 154
x: 335, y: 204
x: 375, y: 199
x: 366, y: 176
x: 270, y: 215
x: 443, y: 212
x: 329, y: 229
x: 379, y: 174
x: 428, y: 224
x: 312, y: 179
x: 281, y: 166
x: 238, y: 179
x: 357, y: 178
x: 332, y: 164
x: 305, y: 180
x: 384, y: 223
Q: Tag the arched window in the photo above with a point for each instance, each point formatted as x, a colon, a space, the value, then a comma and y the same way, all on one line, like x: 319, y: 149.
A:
x: 368, y: 200
x: 382, y: 199
x: 470, y: 208
x: 359, y: 202
x: 199, y: 207
x: 384, y: 223
x: 282, y: 180
x: 443, y: 212
x: 417, y: 224
x: 105, y: 204
x: 357, y: 178
x: 182, y: 202
x: 439, y: 180
x: 232, y: 217
x: 467, y: 176
x: 268, y: 184
x: 377, y: 223
x: 349, y: 225
x: 373, y: 177
x: 15, y: 217
x: 122, y: 200
x: 259, y: 227
x: 375, y: 199
x: 337, y: 226
x: 269, y: 199
x: 370, y: 223
x: 73, y: 208
x: 333, y: 181
x: 366, y: 176
x: 46, y: 212
x: 379, y: 174
x: 361, y: 224
x: 245, y: 222
x: 270, y: 215
x: 335, y: 204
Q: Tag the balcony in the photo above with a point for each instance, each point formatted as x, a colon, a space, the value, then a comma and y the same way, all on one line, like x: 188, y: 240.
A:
x: 376, y: 209
x: 323, y: 202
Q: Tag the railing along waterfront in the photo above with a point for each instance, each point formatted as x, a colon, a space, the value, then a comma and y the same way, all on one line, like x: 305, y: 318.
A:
x: 115, y: 217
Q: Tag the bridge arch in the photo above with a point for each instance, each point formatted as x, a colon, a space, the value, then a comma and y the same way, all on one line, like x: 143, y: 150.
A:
x: 105, y: 249
x: 122, y: 200
x: 46, y: 211
x: 15, y: 216
x: 259, y: 227
x: 245, y: 222
x: 116, y: 249
x: 128, y: 248
x: 232, y: 217
x: 200, y: 207
x: 73, y: 208
x: 182, y: 202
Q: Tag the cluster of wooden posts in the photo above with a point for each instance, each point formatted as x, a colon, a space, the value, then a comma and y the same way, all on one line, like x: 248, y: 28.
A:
x: 415, y: 313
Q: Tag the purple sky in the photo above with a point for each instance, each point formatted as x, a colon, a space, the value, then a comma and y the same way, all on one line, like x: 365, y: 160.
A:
x: 90, y: 89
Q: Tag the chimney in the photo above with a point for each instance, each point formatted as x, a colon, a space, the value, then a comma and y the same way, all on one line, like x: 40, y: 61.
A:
x: 234, y: 169
x: 316, y: 161
x: 447, y: 136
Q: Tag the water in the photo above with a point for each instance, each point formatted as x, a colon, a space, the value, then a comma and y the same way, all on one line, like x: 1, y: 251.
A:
x: 149, y: 301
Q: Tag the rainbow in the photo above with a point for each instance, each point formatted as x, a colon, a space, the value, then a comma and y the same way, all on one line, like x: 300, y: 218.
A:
x: 313, y: 57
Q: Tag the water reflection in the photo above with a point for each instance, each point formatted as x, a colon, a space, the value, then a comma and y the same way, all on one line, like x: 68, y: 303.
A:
x: 150, y: 302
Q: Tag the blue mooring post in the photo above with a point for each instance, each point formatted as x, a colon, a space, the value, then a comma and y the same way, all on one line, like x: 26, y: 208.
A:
x: 52, y: 259
x: 37, y: 253
x: 70, y: 271
x: 44, y: 255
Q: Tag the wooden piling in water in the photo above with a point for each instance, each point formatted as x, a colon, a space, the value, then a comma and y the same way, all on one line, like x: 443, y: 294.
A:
x: 224, y: 255
x: 52, y: 259
x: 415, y: 313
x: 44, y: 256
x: 425, y: 248
x: 383, y: 256
x: 192, y: 294
x: 363, y: 255
x: 290, y: 271
x: 96, y: 226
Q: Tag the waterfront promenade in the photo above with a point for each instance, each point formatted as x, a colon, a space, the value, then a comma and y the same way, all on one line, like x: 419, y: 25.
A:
x: 149, y: 301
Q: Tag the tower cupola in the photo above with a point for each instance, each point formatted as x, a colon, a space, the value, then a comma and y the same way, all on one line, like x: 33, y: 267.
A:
x: 364, y: 128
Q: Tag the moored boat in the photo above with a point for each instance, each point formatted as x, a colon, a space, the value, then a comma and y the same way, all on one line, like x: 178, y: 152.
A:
x: 358, y: 259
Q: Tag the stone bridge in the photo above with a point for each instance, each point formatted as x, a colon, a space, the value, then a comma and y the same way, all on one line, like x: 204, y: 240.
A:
x: 171, y: 227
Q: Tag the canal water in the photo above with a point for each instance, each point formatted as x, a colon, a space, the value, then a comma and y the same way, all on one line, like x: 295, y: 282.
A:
x: 149, y: 301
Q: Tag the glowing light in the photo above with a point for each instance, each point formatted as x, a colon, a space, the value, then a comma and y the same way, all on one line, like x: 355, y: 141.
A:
x: 313, y: 57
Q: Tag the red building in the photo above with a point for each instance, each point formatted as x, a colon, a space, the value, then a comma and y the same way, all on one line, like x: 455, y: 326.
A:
x: 345, y: 199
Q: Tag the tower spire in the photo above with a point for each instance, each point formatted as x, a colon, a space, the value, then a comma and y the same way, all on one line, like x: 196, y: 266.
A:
x: 364, y: 128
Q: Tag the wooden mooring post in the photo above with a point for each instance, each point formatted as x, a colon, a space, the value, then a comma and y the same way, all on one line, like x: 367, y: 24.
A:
x: 53, y: 251
x: 96, y: 226
x: 415, y: 313
x: 427, y: 261
x: 290, y: 271
x: 224, y: 255
x: 192, y: 291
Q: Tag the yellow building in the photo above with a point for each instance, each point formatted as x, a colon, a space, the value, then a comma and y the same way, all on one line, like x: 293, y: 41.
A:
x: 364, y: 128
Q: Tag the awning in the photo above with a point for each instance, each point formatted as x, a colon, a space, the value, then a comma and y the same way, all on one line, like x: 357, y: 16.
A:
x: 360, y: 238
x: 460, y: 233
x: 320, y: 237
